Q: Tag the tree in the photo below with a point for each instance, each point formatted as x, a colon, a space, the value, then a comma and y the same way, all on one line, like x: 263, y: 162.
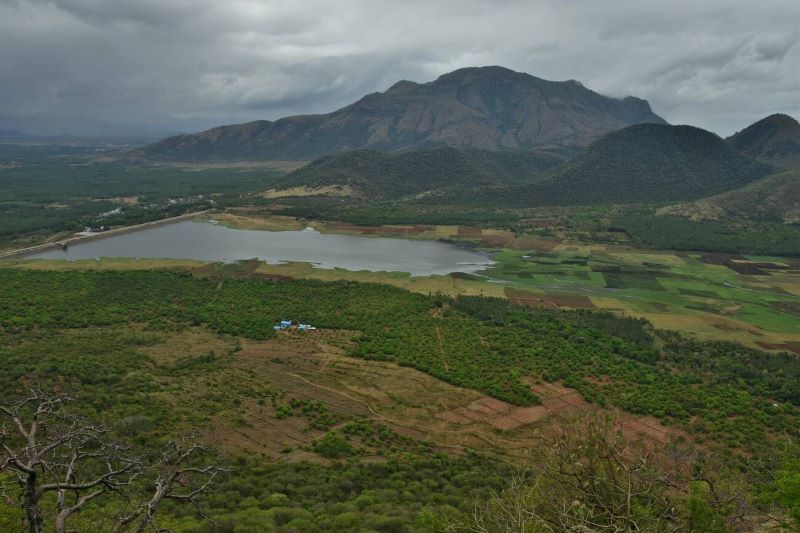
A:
x: 586, y: 475
x: 50, y: 451
x: 176, y: 479
x: 55, y: 462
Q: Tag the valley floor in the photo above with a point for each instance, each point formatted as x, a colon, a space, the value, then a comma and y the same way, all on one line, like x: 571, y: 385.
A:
x: 750, y: 299
x: 442, y: 387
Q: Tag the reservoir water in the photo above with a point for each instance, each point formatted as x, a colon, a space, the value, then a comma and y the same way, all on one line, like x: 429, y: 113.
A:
x: 207, y: 241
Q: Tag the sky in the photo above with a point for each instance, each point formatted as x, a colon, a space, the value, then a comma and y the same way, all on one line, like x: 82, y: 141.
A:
x: 181, y: 65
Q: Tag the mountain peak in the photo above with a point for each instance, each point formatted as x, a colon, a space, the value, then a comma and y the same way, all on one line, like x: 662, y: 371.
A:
x: 489, y: 71
x: 402, y: 86
x: 775, y: 139
x: 492, y: 108
x: 781, y: 119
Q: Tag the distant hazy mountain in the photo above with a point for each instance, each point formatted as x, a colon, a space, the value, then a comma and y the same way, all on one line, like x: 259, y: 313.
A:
x: 63, y: 124
x: 640, y: 164
x: 775, y: 139
x: 774, y: 199
x: 373, y: 174
x: 12, y: 134
x: 488, y: 107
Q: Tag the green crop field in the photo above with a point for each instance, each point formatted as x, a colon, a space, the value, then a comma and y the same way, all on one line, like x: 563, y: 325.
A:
x: 678, y: 291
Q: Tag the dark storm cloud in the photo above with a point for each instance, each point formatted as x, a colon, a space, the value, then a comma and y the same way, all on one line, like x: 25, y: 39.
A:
x: 719, y: 64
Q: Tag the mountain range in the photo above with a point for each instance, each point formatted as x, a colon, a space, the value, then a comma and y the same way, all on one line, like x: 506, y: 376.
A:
x: 638, y: 164
x: 491, y: 108
x: 494, y: 137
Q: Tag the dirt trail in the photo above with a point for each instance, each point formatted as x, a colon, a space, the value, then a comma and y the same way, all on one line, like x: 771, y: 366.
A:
x: 345, y: 395
x: 379, y: 416
x: 441, y: 349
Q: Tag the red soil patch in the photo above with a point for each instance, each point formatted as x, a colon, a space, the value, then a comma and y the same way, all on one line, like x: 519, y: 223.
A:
x: 496, y: 413
x: 519, y: 243
x: 715, y: 258
x: 529, y: 301
x: 469, y: 231
x: 276, y: 277
x: 792, y: 346
x: 381, y: 230
x: 557, y: 399
x: 246, y: 269
x: 335, y: 226
x: 205, y: 270
x: 575, y: 301
x: 548, y: 301
x: 496, y: 241
x: 539, y: 245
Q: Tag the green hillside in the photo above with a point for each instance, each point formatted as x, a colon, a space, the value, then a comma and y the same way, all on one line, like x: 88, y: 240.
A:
x: 641, y: 164
x: 373, y: 174
x: 774, y: 139
x: 772, y: 199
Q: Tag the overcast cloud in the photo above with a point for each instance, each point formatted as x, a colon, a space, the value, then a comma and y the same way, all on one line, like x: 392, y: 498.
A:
x: 718, y: 64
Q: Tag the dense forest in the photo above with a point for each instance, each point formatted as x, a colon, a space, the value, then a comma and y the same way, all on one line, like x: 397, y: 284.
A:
x: 645, y: 163
x: 731, y: 236
x: 374, y: 174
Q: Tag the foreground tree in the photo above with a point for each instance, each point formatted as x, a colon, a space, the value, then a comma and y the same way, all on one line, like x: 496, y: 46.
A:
x: 176, y: 480
x: 588, y: 475
x: 54, y: 463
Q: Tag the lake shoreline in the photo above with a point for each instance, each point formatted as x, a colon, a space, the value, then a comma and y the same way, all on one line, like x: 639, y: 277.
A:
x: 23, y: 253
x: 209, y: 241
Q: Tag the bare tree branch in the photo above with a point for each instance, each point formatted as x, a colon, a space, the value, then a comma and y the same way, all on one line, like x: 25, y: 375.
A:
x: 173, y: 468
x: 44, y: 441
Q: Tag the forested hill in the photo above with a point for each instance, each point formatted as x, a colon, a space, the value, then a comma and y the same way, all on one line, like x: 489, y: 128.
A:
x: 488, y: 107
x: 373, y: 174
x: 773, y: 199
x: 642, y: 163
x: 775, y: 139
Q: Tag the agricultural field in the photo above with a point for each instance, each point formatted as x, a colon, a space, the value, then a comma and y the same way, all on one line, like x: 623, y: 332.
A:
x: 752, y: 299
